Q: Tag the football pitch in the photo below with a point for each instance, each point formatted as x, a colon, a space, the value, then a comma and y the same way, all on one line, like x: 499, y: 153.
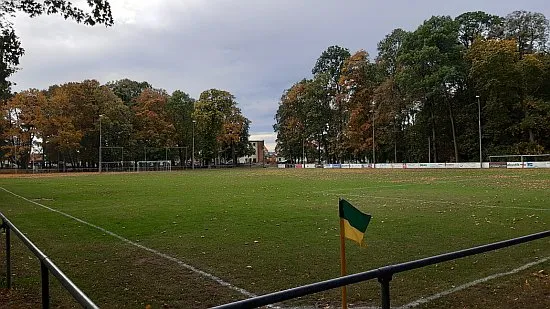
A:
x: 195, y: 239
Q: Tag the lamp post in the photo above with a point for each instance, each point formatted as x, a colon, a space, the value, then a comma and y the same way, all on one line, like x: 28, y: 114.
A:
x: 100, y: 142
x: 373, y: 151
x: 193, y: 150
x: 479, y: 130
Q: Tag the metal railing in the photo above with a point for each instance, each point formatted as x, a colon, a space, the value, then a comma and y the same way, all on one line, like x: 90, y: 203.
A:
x: 383, y: 274
x: 46, y: 266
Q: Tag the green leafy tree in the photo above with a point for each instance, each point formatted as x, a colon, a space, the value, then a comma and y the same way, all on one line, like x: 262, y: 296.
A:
x: 10, y: 52
x: 478, y: 25
x: 128, y: 90
x: 331, y: 63
x: 393, y: 109
x: 220, y: 125
x: 432, y: 72
x: 290, y: 126
x: 317, y: 113
x: 529, y: 29
x: 493, y: 70
x: 388, y: 51
x: 180, y: 108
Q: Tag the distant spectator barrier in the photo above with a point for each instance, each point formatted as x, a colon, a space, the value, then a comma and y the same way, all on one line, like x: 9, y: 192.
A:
x: 460, y: 165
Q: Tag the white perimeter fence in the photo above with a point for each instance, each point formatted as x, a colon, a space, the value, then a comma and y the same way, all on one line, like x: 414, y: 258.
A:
x: 538, y: 164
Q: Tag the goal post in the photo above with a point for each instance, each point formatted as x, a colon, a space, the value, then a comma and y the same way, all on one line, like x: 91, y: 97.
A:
x: 118, y: 166
x: 154, y: 166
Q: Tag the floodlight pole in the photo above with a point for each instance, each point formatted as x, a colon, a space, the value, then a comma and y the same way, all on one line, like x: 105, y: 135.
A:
x: 100, y: 142
x: 193, y: 151
x: 479, y: 130
x: 373, y: 151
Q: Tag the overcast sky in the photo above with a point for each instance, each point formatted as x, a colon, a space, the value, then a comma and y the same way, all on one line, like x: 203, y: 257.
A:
x: 254, y: 49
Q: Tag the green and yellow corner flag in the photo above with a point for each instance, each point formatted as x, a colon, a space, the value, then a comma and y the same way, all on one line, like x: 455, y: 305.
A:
x: 355, y: 222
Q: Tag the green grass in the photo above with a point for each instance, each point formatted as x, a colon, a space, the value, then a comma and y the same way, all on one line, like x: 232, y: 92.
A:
x: 266, y: 229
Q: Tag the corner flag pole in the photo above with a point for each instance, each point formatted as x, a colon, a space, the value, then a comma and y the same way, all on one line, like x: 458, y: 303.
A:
x: 343, y: 262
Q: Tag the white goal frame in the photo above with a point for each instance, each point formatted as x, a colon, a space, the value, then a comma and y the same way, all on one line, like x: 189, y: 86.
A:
x: 154, y: 166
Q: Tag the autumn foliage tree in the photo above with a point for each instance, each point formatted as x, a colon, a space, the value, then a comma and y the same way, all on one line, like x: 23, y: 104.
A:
x: 221, y: 127
x: 420, y: 96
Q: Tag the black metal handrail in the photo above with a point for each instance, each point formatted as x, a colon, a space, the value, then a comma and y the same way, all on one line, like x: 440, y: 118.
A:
x: 46, y: 266
x: 383, y: 274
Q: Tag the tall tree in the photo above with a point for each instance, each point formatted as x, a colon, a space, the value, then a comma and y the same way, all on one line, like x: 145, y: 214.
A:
x: 71, y: 125
x: 180, y: 108
x: 10, y: 52
x: 331, y: 63
x: 128, y: 90
x: 152, y: 124
x: 358, y: 81
x: 290, y: 126
x: 393, y: 109
x: 474, y: 25
x: 432, y: 71
x: 61, y: 137
x: 24, y: 115
x: 388, y: 51
x: 233, y: 138
x: 529, y: 29
x: 317, y: 114
x: 493, y: 70
x: 219, y: 123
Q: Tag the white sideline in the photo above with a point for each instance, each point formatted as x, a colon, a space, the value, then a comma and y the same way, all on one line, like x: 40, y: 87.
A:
x: 386, y: 185
x: 166, y: 256
x: 470, y: 284
x: 443, y: 202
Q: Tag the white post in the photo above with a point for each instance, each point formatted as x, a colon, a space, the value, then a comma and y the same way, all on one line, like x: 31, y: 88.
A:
x: 193, y: 151
x: 479, y: 129
x: 100, y: 142
x: 373, y: 151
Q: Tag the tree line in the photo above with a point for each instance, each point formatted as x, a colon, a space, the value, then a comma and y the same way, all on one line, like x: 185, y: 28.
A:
x: 127, y: 120
x: 132, y: 120
x: 420, y: 98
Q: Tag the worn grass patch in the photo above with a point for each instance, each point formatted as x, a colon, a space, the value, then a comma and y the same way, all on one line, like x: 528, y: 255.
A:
x: 267, y: 229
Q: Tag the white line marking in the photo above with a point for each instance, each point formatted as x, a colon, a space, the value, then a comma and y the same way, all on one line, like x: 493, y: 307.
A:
x: 429, y: 181
x: 166, y: 256
x: 470, y: 284
x: 442, y: 202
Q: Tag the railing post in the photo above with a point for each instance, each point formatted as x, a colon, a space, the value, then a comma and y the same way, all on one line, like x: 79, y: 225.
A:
x: 45, y: 286
x: 8, y: 256
x: 385, y: 291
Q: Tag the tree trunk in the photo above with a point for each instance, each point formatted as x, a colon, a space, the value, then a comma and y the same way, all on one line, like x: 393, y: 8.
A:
x: 453, y: 129
x: 234, y: 154
x: 319, y: 137
x: 433, y: 132
x: 181, y: 157
x: 394, y: 140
